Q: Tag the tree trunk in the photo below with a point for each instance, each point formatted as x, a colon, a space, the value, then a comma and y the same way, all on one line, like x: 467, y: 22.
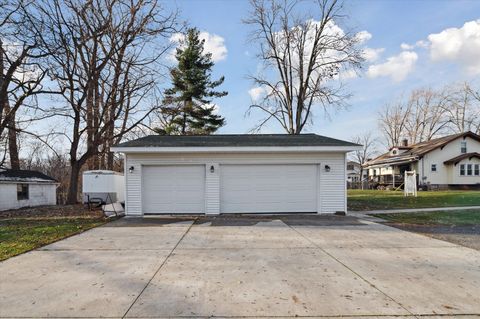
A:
x: 12, y: 140
x: 73, y: 184
x: 96, y: 120
x: 361, y: 177
x: 110, y: 160
x: 13, y: 148
x: 89, y: 124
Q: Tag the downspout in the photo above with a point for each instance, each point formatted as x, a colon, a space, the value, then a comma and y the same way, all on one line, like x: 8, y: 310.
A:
x: 423, y: 171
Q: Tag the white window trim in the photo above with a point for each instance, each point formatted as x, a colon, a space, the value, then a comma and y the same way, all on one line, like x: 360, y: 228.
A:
x: 466, y: 170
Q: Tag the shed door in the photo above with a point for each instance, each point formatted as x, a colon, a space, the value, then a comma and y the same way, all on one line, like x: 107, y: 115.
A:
x: 173, y: 189
x: 268, y: 188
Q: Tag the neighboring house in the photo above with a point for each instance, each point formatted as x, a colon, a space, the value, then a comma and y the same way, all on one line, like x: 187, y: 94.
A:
x: 448, y: 162
x: 354, y: 170
x: 235, y: 174
x: 22, y: 188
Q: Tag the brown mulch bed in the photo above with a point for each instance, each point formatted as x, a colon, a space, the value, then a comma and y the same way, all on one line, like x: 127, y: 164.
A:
x: 51, y: 211
x: 464, y: 235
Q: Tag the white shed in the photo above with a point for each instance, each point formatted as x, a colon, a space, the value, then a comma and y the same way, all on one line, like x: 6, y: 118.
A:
x: 23, y: 188
x: 222, y: 174
x: 107, y: 186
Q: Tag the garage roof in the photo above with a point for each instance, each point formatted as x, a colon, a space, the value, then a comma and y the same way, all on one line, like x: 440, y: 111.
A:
x: 17, y: 175
x: 239, y: 140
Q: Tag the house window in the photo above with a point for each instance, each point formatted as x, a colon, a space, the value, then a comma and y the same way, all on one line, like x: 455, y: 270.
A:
x: 477, y: 170
x: 462, y: 169
x: 22, y: 191
x: 350, y: 167
x: 434, y: 167
x: 374, y: 172
x: 469, y: 169
x: 463, y: 148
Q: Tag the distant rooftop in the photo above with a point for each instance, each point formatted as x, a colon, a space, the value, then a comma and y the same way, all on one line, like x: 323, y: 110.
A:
x: 415, y: 151
x: 16, y: 175
x: 231, y: 140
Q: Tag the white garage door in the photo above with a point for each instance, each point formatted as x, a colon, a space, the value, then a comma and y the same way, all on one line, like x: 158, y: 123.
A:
x: 268, y: 188
x: 173, y: 189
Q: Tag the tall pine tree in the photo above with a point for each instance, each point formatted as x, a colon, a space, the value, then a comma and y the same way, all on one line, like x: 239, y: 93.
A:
x: 186, y: 105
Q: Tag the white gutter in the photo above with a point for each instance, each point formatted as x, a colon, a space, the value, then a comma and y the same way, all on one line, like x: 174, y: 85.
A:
x: 235, y: 149
x: 28, y: 182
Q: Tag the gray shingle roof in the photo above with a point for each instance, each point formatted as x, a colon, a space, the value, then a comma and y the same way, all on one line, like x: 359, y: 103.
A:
x: 241, y: 140
x: 24, y: 175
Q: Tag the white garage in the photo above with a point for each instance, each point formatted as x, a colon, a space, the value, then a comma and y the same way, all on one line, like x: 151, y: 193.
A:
x: 223, y: 174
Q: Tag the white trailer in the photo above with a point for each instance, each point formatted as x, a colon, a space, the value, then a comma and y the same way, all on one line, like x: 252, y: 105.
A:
x: 103, y: 186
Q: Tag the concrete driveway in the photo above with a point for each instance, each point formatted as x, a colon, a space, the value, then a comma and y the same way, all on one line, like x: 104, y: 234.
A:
x: 313, y: 266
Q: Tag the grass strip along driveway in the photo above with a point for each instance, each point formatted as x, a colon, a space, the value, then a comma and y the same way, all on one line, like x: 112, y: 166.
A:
x: 457, y: 226
x: 361, y: 200
x: 23, y: 234
x: 22, y: 230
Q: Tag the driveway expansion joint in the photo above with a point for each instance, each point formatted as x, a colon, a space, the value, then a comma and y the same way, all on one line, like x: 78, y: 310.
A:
x: 159, y: 268
x: 353, y: 271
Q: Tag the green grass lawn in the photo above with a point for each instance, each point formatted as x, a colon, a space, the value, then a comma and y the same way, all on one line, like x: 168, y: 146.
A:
x: 359, y: 200
x: 18, y: 235
x: 449, y: 218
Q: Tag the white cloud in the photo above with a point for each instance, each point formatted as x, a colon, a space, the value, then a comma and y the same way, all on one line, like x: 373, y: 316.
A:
x: 256, y: 92
x: 26, y: 71
x: 406, y: 46
x: 421, y: 44
x: 372, y: 55
x: 214, y: 44
x: 396, y: 67
x: 363, y: 36
x: 460, y: 45
x: 369, y: 54
x: 348, y: 74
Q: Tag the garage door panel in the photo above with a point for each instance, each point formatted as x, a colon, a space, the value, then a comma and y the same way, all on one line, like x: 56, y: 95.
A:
x: 173, y: 189
x: 268, y: 188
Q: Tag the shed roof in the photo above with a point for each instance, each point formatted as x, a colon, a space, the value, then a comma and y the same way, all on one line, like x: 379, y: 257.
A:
x: 238, y: 140
x: 17, y: 175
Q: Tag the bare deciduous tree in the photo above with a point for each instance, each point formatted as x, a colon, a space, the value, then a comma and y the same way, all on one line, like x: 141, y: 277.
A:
x: 368, y: 150
x: 462, y: 108
x: 426, y: 118
x: 303, y: 56
x: 102, y: 56
x: 21, y: 73
x: 393, y: 120
x: 429, y: 113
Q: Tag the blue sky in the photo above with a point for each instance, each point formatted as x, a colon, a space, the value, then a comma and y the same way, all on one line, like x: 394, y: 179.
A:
x: 429, y: 63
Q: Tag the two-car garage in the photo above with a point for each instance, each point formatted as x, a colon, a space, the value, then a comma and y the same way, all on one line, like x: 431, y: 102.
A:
x: 223, y: 174
x: 250, y: 188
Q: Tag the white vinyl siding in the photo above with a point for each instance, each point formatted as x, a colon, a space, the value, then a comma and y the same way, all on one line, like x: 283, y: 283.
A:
x: 332, y: 184
x: 212, y: 188
x: 268, y: 188
x: 448, y: 174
